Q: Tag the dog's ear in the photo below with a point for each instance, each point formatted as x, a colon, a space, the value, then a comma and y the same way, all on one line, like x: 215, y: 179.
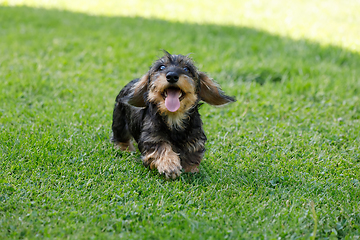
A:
x: 211, y: 93
x: 138, y: 91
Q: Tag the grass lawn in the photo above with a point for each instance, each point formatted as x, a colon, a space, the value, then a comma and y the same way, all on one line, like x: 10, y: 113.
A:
x: 281, y: 162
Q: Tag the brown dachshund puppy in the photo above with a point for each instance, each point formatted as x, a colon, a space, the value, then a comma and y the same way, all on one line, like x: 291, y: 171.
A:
x: 160, y: 111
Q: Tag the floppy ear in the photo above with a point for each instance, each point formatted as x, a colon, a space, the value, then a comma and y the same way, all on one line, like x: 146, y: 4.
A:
x: 138, y: 91
x: 211, y: 93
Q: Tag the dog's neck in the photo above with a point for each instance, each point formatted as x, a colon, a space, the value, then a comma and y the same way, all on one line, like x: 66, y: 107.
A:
x: 176, y: 121
x: 179, y: 121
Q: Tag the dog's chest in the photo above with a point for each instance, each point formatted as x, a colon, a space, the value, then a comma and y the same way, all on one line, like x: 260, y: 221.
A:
x: 188, y: 141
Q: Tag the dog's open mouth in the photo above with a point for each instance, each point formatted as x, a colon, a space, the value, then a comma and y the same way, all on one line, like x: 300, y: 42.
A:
x: 173, y: 96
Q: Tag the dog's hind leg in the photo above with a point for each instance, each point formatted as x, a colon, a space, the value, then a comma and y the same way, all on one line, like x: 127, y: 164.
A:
x: 121, y: 134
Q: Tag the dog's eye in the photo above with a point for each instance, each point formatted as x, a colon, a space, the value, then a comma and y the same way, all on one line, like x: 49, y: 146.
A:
x: 186, y: 69
x: 162, y: 67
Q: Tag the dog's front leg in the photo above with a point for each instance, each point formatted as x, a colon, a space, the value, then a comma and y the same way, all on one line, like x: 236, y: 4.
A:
x: 164, y: 159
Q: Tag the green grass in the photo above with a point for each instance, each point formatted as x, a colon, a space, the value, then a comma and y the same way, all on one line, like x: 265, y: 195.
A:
x: 324, y: 21
x: 281, y: 162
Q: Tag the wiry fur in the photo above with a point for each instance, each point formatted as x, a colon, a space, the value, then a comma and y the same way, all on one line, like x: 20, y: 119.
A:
x: 168, y: 141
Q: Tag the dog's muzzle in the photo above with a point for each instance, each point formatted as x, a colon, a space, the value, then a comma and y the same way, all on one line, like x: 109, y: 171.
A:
x: 172, y: 77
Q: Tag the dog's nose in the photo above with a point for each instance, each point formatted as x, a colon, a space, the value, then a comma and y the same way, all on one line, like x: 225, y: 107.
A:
x: 172, y: 77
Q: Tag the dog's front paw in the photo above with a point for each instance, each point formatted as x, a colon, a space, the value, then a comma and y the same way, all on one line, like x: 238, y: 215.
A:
x: 165, y: 160
x: 171, y: 168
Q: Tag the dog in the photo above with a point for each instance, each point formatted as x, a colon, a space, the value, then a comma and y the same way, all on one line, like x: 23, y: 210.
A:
x: 160, y: 111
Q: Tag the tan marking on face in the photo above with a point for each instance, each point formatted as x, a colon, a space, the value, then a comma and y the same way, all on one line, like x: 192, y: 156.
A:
x: 157, y: 87
x: 165, y: 160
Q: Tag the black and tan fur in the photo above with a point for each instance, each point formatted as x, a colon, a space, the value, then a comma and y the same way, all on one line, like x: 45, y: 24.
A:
x: 168, y: 141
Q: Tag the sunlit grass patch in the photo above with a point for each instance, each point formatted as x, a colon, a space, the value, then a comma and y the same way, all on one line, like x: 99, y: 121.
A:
x: 327, y: 22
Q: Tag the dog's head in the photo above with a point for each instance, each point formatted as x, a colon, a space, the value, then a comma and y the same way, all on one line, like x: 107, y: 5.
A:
x: 175, y: 86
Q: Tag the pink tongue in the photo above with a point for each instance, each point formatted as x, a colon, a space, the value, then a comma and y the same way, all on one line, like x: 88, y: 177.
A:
x: 172, y: 102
